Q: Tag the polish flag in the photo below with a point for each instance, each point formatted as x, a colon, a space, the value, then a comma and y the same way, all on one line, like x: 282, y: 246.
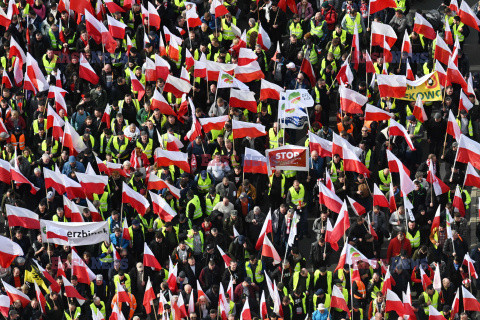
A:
x: 338, y: 300
x: 464, y: 103
x: 201, y: 293
x: 213, y: 69
x: 155, y: 183
x: 81, y: 270
x: 122, y: 295
x: 213, y: 123
x: 125, y: 231
x: 329, y: 199
x: 15, y: 294
x: 263, y: 39
x: 218, y: 9
x: 92, y: 183
x: 9, y: 250
x: 266, y: 228
x: 458, y: 201
x: 113, y: 7
x: 393, y: 303
x: 16, y: 51
x: 226, y: 258
x: 419, y: 111
x: 245, y: 314
x: 173, y: 50
x: 19, y: 178
x: 159, y: 102
x: 471, y: 266
x: 165, y: 158
x: 56, y: 122
x: 268, y: 250
x: 72, y: 211
x: 379, y: 5
x: 442, y: 51
x: 351, y: 101
x: 328, y: 236
x: 86, y: 71
x: 60, y: 102
x: 150, y: 71
x: 456, y: 304
x: 94, y: 28
x: 94, y: 212
x: 35, y: 74
x: 177, y: 86
x: 370, y: 68
x: 73, y: 188
x: 189, y: 60
x: 423, y: 27
x: 406, y: 44
x: 5, y: 175
x: 345, y: 74
x: 149, y: 296
x: 137, y: 86
x: 387, y: 52
x: 173, y: 143
x: 456, y: 47
x: 468, y: 151
x: 135, y: 199
x: 356, y: 48
x: 53, y: 89
x: 409, y: 74
x: 396, y: 129
x: 4, y: 20
x: 448, y: 36
x: 117, y: 314
x: 162, y: 208
x: 269, y: 90
x: 200, y: 67
x: 6, y: 82
x: 195, y: 128
x: 5, y: 300
x: 379, y: 198
x: 162, y: 67
x: 453, y: 5
x: 470, y: 303
x: 453, y: 75
x: 263, y: 307
x: 388, y: 283
x: 341, y: 224
x: 373, y: 113
x: 243, y: 100
x: 246, y: 56
x: 192, y: 17
x: 407, y: 304
x: 393, y: 86
x: 54, y: 180
x: 353, y: 163
x: 172, y: 276
x: 40, y: 298
x: 248, y: 73
x: 357, y: 207
x: 322, y: 146
x: 467, y: 16
x: 434, y: 314
x: 452, y: 126
x: 471, y: 177
x: 106, y: 116
x: 153, y: 16
x: 149, y: 259
x: 53, y: 284
x: 242, y: 129
x: 179, y: 310
x: 21, y: 217
x: 254, y: 162
x: 426, y: 281
x: 17, y: 72
x: 438, y: 185
x: 436, y: 220
x: 381, y: 31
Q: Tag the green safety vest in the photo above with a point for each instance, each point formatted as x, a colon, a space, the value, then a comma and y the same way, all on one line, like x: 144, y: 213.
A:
x: 414, y: 240
x: 135, y: 103
x: 299, y: 196
x: 275, y: 138
x: 76, y: 315
x: 107, y: 259
x: 375, y: 289
x: 128, y: 282
x: 209, y: 204
x: 351, y: 24
x: 326, y: 302
x: 270, y: 178
x: 296, y: 276
x: 103, y: 200
x: 433, y: 300
x: 147, y: 224
x: 227, y: 30
x: 107, y: 147
x: 130, y: 231
x: 204, y: 185
x: 198, y: 208
x: 313, y: 56
x: 317, y: 30
x: 94, y: 308
x: 53, y: 40
x: 49, y: 65
x: 148, y: 149
x: 259, y: 277
x: 54, y: 147
x: 333, y: 168
x: 459, y: 35
x: 323, y: 66
x: 337, y: 51
x: 304, y: 303
x: 367, y: 158
x: 316, y: 276
x: 249, y: 32
x: 296, y: 29
x: 120, y: 148
x: 343, y: 36
x: 56, y: 218
x: 385, y: 186
x: 400, y: 4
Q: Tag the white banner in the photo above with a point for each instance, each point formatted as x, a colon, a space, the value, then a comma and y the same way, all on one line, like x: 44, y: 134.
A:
x: 299, y: 98
x: 78, y: 233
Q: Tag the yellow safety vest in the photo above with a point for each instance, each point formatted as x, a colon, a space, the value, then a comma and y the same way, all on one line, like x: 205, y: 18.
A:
x: 198, y: 209
x: 351, y: 24
x: 274, y: 138
x: 298, y: 197
x: 259, y: 277
x: 296, y: 30
x: 49, y: 65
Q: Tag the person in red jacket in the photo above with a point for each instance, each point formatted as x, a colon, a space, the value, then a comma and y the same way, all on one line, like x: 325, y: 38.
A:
x: 399, y: 244
x: 139, y: 159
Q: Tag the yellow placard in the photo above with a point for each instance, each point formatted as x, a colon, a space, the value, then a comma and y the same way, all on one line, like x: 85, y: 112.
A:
x: 429, y: 90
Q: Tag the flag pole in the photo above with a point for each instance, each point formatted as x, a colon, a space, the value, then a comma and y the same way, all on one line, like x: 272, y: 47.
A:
x: 284, y: 259
x: 443, y: 101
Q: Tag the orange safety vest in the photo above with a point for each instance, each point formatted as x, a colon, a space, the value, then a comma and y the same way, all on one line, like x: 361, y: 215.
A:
x: 20, y: 143
x: 341, y: 128
x: 361, y: 289
x: 368, y: 125
x: 132, y: 304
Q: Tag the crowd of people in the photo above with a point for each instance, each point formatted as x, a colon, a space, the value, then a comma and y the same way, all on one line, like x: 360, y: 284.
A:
x: 220, y: 210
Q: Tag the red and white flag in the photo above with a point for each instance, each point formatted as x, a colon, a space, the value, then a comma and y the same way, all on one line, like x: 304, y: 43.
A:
x: 54, y: 180
x: 453, y: 5
x: 471, y: 177
x: 407, y: 304
x: 434, y: 314
x: 40, y: 298
x: 5, y: 175
x: 470, y: 302
x: 409, y: 73
x: 86, y: 71
x: 213, y: 123
x: 454, y: 76
x: 370, y: 68
x: 17, y: 72
x: 329, y: 199
x: 153, y: 16
x: 393, y: 303
x: 423, y: 27
x: 269, y: 90
x: 381, y: 31
x: 56, y: 122
x: 159, y: 102
x: 241, y: 129
x: 263, y: 39
x: 351, y: 101
x: 345, y: 74
x: 4, y: 299
x: 246, y: 314
x: 379, y: 5
x: 396, y: 129
x: 406, y: 44
x: 393, y: 86
x: 154, y: 182
x: 322, y: 146
x: 352, y: 163
x: 471, y: 266
x: 149, y: 259
x: 94, y: 27
x: 254, y: 162
x: 357, y: 207
x: 164, y: 158
x: 6, y: 82
x: 226, y: 258
x: 246, y: 56
x: 379, y: 198
x: 218, y: 9
x: 248, y: 73
x: 73, y: 188
x: 457, y: 202
x: 113, y: 7
x: 448, y: 36
x: 35, y: 74
x: 388, y: 283
x: 373, y: 113
x: 341, y: 224
x: 14, y: 294
x: 162, y: 67
x: 456, y: 303
x: 19, y: 178
x: 442, y: 51
x: 9, y: 250
x: 22, y: 217
x: 426, y: 281
x: 149, y: 296
x: 81, y: 270
x: 464, y: 103
x: 438, y: 185
x: 72, y: 140
x: 338, y: 300
x: 177, y: 86
x: 266, y: 228
x: 122, y: 295
x: 137, y: 86
x: 213, y: 69
x: 162, y: 208
x: 243, y: 100
x: 268, y: 250
x: 452, y: 126
x: 387, y: 53
x: 196, y: 128
x: 467, y: 16
x: 419, y: 111
x: 135, y: 199
x: 92, y: 183
x: 468, y: 151
x: 16, y: 51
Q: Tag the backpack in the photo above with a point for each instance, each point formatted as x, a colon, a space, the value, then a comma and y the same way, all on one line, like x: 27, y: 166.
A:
x: 330, y: 17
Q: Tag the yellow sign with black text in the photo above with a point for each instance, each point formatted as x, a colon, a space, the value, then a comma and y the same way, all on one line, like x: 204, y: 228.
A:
x: 427, y: 87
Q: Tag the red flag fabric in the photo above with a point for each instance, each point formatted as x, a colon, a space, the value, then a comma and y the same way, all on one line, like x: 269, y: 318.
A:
x: 243, y: 100
x: 471, y: 177
x: 266, y: 228
x: 393, y: 86
x: 149, y: 259
x: 379, y: 198
x: 9, y: 250
x: 254, y: 162
x: 470, y: 303
x: 322, y: 146
x: 242, y: 129
x: 423, y: 27
x: 164, y: 158
x: 351, y: 101
x: 379, y: 5
x: 22, y: 217
x: 373, y: 113
x: 162, y: 208
x: 86, y: 71
x: 269, y: 90
x: 135, y: 199
x: 468, y: 17
x: 15, y: 294
x: 393, y: 303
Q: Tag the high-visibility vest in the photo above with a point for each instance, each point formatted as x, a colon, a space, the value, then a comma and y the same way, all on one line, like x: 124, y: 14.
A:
x: 75, y: 315
x: 361, y: 289
x: 470, y: 127
x: 20, y: 143
x: 102, y: 309
x: 105, y: 149
x: 107, y: 259
x: 275, y: 138
x: 130, y: 231
x: 336, y: 51
x: 385, y: 186
x: 342, y: 36
x: 120, y: 148
x: 367, y: 158
x: 313, y: 56
x: 316, y: 276
x: 249, y: 32
x: 414, y: 240
x: 56, y: 218
x: 323, y: 66
x: 400, y: 4
x: 317, y: 30
x: 189, y: 241
x: 333, y: 168
x: 198, y: 208
x: 209, y: 204
x: 103, y: 200
x: 468, y: 199
x: 128, y: 282
x: 296, y: 29
x: 204, y: 185
x: 53, y: 40
x: 282, y: 188
x: 433, y: 301
x: 134, y: 101
x: 298, y: 196
x: 351, y: 24
x: 418, y: 125
x: 457, y: 33
x: 326, y: 303
x: 49, y: 65
x: 296, y: 276
x: 259, y: 277
x: 303, y: 306
x: 375, y: 289
x: 227, y: 30
x: 148, y: 149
